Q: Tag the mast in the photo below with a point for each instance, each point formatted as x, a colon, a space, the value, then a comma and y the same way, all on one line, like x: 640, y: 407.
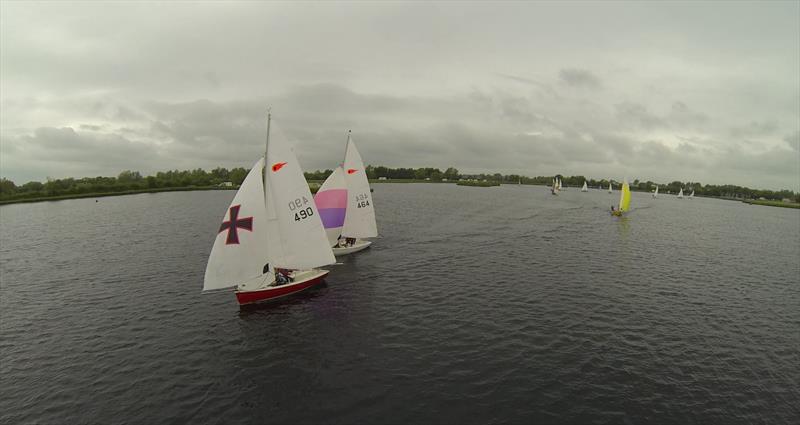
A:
x: 266, y: 147
x: 346, y: 144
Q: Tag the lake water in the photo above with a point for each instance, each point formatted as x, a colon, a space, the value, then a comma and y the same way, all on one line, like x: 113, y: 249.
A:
x: 476, y: 305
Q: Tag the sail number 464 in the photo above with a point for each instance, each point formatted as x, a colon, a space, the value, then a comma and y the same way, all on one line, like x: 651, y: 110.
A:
x: 362, y: 200
x: 301, y: 212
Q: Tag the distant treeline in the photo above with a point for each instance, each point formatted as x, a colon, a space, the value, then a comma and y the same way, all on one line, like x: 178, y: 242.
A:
x: 133, y: 180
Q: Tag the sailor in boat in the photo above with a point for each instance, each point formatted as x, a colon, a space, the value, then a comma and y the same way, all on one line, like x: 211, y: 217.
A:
x: 283, y: 276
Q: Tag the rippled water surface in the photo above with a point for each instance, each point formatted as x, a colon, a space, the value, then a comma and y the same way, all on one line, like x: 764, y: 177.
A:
x: 477, y: 305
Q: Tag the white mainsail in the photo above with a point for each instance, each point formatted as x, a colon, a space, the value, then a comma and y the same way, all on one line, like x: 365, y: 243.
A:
x: 240, y: 249
x: 655, y: 194
x: 301, y: 242
x: 585, y: 187
x: 359, y: 220
x: 680, y: 194
x: 691, y: 195
x: 609, y: 188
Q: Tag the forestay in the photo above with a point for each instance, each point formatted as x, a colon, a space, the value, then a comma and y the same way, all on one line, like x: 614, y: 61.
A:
x: 331, y: 200
x: 239, y: 251
x: 360, y: 217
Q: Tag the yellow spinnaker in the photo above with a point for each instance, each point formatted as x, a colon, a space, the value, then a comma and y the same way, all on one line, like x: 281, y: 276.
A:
x: 625, y: 197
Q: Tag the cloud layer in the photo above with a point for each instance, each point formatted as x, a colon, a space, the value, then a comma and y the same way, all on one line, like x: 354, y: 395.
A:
x: 656, y: 93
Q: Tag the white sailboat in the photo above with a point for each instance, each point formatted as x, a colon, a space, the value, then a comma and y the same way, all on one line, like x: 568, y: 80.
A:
x: 680, y: 194
x: 585, y: 187
x: 655, y: 193
x: 271, y: 238
x: 556, y: 187
x: 359, y: 220
x: 609, y: 188
x: 691, y: 195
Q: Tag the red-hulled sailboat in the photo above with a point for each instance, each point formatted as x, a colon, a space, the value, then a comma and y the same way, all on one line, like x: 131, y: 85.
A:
x: 271, y: 239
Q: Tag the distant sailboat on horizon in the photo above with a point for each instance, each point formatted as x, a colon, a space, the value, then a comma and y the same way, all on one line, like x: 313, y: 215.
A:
x: 610, y: 190
x: 624, y: 200
x: 680, y: 194
x: 691, y: 195
x: 585, y: 187
x: 655, y: 194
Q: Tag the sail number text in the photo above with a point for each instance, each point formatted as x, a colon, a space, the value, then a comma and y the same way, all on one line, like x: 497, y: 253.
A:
x: 362, y: 200
x: 300, y: 210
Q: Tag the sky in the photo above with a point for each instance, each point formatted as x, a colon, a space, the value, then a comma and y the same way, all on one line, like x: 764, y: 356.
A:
x: 688, y: 91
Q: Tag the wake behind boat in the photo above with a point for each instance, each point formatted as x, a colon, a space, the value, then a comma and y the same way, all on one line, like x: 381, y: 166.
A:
x: 272, y: 238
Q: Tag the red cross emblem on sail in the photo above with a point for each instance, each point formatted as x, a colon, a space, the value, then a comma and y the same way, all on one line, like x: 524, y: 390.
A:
x: 234, y: 224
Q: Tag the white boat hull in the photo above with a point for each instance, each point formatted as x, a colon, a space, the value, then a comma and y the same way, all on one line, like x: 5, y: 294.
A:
x: 360, y: 245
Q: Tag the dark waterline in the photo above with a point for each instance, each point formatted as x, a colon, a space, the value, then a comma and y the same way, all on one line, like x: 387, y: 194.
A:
x: 477, y: 305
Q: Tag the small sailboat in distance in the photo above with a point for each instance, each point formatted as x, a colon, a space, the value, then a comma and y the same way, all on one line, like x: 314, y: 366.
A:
x: 624, y: 200
x: 585, y: 187
x: 555, y: 189
x: 609, y: 188
x: 655, y: 194
x: 680, y: 194
x: 271, y: 238
x: 691, y: 195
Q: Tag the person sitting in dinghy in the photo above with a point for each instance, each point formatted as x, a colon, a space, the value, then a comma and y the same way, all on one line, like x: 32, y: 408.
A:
x: 283, y: 276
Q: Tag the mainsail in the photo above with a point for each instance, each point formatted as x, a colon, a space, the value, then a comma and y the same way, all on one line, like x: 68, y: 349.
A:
x: 625, y: 197
x: 359, y: 219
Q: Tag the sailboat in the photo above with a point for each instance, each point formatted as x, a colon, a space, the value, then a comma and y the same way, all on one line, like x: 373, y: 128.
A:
x: 609, y: 188
x: 585, y: 187
x: 556, y: 187
x: 345, y: 204
x: 624, y: 200
x: 691, y: 195
x: 680, y: 194
x: 271, y: 238
x: 655, y: 194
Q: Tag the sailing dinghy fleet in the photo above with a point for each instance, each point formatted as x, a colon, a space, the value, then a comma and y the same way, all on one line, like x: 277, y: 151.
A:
x: 274, y: 235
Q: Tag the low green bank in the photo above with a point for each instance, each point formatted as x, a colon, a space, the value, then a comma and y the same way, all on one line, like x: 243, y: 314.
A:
x: 772, y: 203
x: 478, y: 184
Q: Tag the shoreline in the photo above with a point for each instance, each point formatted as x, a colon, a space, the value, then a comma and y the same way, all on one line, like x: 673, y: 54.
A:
x: 106, y: 194
x: 314, y: 186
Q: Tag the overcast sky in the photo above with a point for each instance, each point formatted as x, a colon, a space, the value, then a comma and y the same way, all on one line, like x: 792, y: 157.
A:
x: 685, y: 91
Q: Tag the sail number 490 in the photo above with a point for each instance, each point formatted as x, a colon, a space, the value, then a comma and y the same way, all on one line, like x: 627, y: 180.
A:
x: 362, y: 200
x: 301, y: 212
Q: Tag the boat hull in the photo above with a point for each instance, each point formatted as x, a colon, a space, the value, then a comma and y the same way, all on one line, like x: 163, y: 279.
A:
x: 274, y: 292
x: 359, y: 246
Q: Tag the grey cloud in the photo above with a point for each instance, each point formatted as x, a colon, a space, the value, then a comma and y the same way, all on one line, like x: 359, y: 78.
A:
x: 681, y: 116
x: 635, y: 114
x: 755, y: 129
x: 123, y: 77
x: 793, y: 140
x: 579, y: 78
